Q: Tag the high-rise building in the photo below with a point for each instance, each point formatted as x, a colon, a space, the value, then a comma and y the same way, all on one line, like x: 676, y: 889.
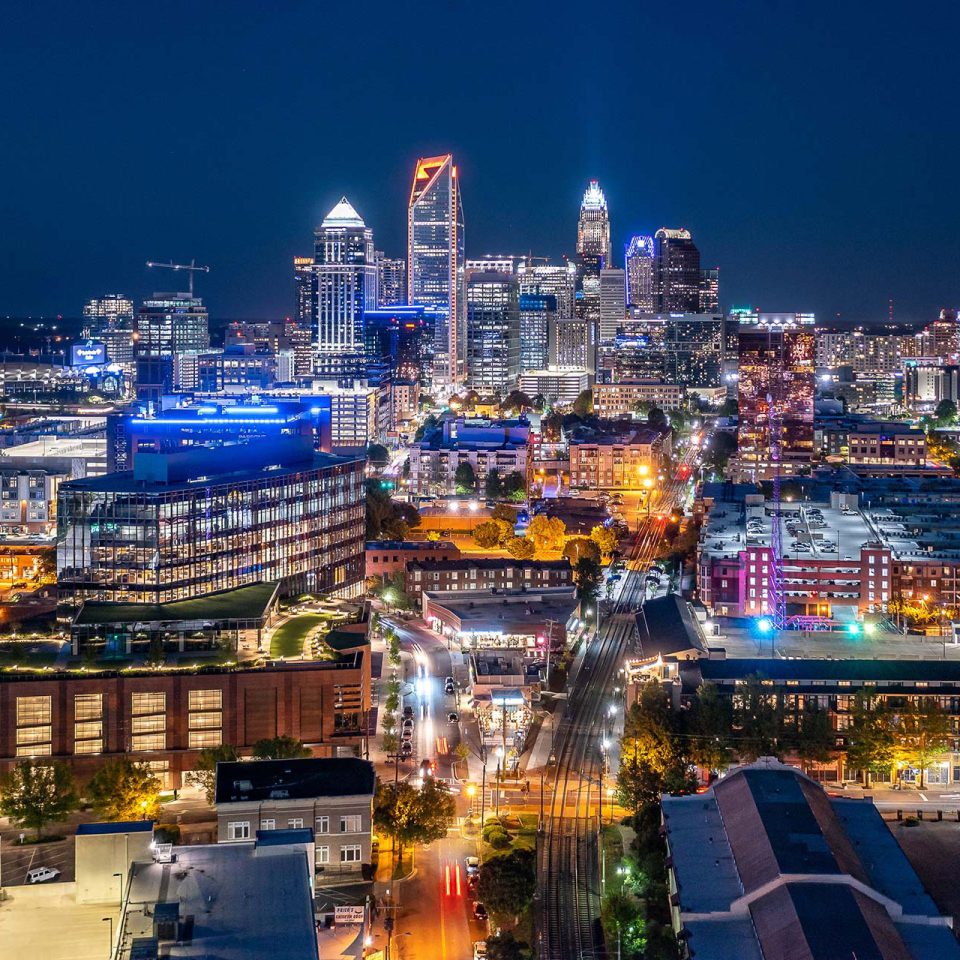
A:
x: 710, y: 290
x: 638, y: 259
x: 538, y: 315
x: 493, y: 331
x: 436, y: 261
x: 345, y: 276
x: 104, y: 311
x: 676, y: 272
x: 499, y: 263
x: 557, y: 281
x: 168, y: 325
x: 573, y: 345
x: 776, y: 375
x: 593, y: 230
x: 391, y: 280
x: 306, y: 291
x: 612, y: 302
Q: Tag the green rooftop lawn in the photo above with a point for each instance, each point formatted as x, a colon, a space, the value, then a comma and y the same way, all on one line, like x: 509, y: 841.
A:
x: 288, y: 639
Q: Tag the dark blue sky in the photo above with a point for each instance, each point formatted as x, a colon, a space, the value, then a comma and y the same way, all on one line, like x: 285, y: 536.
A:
x: 812, y: 149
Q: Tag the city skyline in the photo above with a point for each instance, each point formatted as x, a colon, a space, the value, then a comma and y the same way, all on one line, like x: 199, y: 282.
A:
x: 774, y: 180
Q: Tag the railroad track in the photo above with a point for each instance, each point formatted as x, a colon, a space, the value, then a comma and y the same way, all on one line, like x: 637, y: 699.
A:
x: 569, y: 905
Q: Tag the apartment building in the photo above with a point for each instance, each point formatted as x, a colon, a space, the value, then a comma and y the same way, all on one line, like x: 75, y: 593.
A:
x: 331, y: 796
x: 612, y: 400
x: 621, y: 462
x: 468, y: 573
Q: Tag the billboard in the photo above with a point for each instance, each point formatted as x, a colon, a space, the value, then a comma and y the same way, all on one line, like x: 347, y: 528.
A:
x: 87, y: 354
x: 352, y: 914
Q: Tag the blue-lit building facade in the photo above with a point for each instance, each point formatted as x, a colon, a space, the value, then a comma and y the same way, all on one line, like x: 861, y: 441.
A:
x: 183, y: 525
x: 435, y: 261
x: 538, y: 315
x: 401, y: 339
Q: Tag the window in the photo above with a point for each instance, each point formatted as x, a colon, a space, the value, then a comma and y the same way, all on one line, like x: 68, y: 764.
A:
x: 33, y: 710
x: 351, y: 824
x: 238, y: 830
x: 205, y: 700
x: 199, y: 739
x: 323, y: 854
x: 350, y: 854
x: 87, y: 747
x: 34, y: 726
x: 153, y: 724
x: 268, y: 824
x: 88, y: 706
x: 295, y: 823
x: 144, y: 703
x: 149, y: 741
x: 323, y: 824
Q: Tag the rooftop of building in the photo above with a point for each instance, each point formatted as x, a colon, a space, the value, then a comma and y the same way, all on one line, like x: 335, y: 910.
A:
x: 506, y: 611
x: 242, y: 603
x: 488, y: 563
x: 668, y: 628
x: 765, y: 857
x: 303, y: 779
x: 498, y: 663
x: 639, y: 436
x: 46, y: 448
x: 243, y: 901
x: 411, y: 545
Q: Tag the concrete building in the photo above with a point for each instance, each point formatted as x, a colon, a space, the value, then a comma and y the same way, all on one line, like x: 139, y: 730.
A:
x: 556, y: 386
x: 862, y: 441
x: 384, y: 558
x: 243, y: 901
x: 613, y: 302
x: 333, y: 797
x: 165, y: 718
x: 765, y: 864
x: 499, y: 446
x: 469, y: 573
x: 613, y: 400
x: 620, y: 462
x: 493, y: 331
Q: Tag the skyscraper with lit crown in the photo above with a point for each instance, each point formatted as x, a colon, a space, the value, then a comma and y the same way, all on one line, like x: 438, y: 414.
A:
x: 435, y: 261
x: 345, y: 278
x: 593, y: 230
x: 641, y: 288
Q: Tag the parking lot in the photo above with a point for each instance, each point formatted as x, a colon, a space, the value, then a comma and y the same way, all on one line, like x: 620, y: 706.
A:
x: 16, y: 860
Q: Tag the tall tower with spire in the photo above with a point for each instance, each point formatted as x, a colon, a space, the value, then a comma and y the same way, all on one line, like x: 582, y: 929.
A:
x: 345, y: 285
x: 593, y: 230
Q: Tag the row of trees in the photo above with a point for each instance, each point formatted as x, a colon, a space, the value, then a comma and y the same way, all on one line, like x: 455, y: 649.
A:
x: 511, y: 487
x: 544, y: 536
x: 662, y: 747
x: 388, y: 519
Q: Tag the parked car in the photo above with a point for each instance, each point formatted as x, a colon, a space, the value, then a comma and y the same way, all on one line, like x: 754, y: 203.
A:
x: 480, y: 912
x: 472, y: 865
x: 407, y: 723
x: 453, y: 716
x: 406, y: 750
x: 406, y: 733
x: 42, y: 874
x: 427, y: 768
x: 479, y: 949
x: 408, y: 711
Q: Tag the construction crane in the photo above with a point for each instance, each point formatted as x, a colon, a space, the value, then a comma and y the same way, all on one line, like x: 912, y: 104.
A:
x: 190, y: 267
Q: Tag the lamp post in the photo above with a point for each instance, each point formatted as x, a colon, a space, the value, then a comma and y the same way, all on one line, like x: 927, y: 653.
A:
x: 119, y: 877
x: 499, y: 759
x: 110, y: 921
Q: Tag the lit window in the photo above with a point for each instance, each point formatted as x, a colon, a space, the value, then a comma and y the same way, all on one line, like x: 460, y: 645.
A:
x: 351, y: 824
x: 350, y: 854
x: 239, y: 830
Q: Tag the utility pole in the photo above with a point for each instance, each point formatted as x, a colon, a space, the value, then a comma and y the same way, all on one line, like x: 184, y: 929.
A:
x: 550, y: 625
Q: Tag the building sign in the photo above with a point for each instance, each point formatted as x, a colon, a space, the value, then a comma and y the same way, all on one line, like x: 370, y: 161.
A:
x: 84, y: 354
x: 348, y: 914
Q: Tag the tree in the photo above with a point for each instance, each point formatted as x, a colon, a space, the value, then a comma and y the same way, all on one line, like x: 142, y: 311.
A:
x: 378, y: 454
x: 392, y: 590
x: 619, y: 913
x: 514, y: 486
x: 711, y: 720
x: 588, y: 578
x: 577, y: 547
x: 606, y: 538
x: 729, y: 408
x: 520, y: 548
x: 34, y: 794
x: 816, y: 741
x: 505, y: 946
x: 756, y: 717
x: 946, y: 412
x: 429, y: 424
x: 719, y: 448
x: 493, y: 485
x: 204, y: 774
x: 124, y: 790
x: 506, y: 884
x: 653, y: 757
x: 413, y: 816
x: 503, y: 511
x: 516, y: 400
x: 657, y: 420
x: 489, y: 533
x: 870, y: 737
x: 402, y: 518
x: 546, y: 533
x: 280, y: 748
x: 583, y: 405
x: 922, y: 732
x: 465, y: 479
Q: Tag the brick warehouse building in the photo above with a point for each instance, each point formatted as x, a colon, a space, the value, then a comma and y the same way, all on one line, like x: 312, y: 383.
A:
x: 165, y: 718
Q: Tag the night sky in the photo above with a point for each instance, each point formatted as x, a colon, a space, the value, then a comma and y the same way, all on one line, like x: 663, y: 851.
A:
x: 811, y: 148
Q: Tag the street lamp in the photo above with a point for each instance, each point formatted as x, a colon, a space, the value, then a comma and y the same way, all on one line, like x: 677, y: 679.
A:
x: 110, y: 921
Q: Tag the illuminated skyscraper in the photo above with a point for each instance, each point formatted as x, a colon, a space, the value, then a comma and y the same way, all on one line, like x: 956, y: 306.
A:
x: 109, y: 319
x: 593, y: 230
x: 538, y: 316
x: 676, y: 272
x: 306, y: 292
x: 345, y: 277
x: 612, y: 302
x: 776, y: 374
x: 710, y: 290
x: 435, y: 261
x: 493, y: 331
x: 391, y: 280
x: 641, y: 291
x: 556, y: 281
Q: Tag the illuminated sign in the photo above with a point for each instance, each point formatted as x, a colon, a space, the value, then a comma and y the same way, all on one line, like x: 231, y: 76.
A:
x: 86, y: 354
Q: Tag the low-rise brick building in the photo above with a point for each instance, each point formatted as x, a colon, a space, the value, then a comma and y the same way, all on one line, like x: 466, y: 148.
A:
x: 484, y: 574
x: 384, y: 558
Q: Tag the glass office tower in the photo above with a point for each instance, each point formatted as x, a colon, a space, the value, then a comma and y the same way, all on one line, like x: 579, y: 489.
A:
x: 435, y: 261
